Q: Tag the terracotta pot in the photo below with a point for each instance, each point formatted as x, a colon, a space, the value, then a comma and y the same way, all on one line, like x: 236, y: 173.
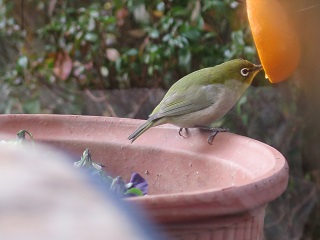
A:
x: 196, y: 190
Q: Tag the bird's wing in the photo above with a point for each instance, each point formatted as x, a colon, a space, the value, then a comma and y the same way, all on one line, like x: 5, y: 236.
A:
x: 193, y: 99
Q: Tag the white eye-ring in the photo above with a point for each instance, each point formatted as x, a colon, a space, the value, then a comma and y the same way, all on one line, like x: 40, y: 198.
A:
x: 244, y: 72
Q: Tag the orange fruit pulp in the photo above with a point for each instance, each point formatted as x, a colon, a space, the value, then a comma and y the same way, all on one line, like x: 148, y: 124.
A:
x: 275, y: 38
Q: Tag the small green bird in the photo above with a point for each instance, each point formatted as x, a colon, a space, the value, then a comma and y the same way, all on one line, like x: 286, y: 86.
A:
x: 202, y: 97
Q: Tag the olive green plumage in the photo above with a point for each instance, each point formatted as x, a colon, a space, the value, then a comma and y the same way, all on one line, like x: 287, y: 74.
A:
x: 202, y: 97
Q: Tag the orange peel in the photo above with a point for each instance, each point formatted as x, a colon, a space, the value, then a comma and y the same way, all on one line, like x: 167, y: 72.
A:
x: 275, y: 38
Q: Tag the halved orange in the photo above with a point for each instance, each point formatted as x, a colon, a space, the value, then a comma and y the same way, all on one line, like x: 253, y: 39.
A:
x: 275, y: 38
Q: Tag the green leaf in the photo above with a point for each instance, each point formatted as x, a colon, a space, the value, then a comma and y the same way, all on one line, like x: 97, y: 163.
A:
x: 161, y: 6
x: 150, y: 70
x: 94, y: 13
x: 108, y: 19
x: 242, y: 101
x: 91, y: 24
x: 23, y: 62
x: 185, y: 59
x: 32, y: 106
x: 166, y: 37
x: 135, y: 191
x: 179, y: 11
x: 154, y: 34
x: 191, y: 33
x: 132, y: 52
x: 91, y: 37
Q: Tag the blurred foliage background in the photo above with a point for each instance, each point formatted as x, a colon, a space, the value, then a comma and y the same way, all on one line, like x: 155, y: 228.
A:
x: 69, y: 47
x: 117, y: 58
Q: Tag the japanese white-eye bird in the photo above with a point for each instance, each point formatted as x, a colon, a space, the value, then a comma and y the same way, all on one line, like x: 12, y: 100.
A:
x: 202, y: 97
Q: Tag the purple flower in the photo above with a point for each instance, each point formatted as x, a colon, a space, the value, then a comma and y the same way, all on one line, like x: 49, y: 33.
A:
x: 137, y: 182
x: 137, y: 186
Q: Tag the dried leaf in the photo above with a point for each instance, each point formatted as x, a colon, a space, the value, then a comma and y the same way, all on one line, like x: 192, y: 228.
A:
x: 121, y: 15
x: 157, y: 13
x: 62, y: 65
x: 51, y: 7
x: 196, y: 12
x: 137, y: 33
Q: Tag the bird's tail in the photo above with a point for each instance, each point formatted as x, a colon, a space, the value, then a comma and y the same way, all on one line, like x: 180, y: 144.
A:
x: 144, y: 127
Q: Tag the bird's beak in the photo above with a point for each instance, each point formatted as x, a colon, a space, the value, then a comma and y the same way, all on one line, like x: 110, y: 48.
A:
x: 257, y: 68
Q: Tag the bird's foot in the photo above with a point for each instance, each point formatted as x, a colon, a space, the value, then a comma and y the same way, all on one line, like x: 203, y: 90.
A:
x: 180, y: 130
x: 214, y: 132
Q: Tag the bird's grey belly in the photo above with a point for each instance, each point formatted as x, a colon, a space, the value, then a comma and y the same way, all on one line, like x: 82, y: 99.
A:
x: 206, y: 116
x: 202, y: 117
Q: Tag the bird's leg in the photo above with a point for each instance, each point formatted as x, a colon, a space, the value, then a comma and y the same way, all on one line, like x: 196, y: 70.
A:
x: 214, y: 132
x: 180, y: 130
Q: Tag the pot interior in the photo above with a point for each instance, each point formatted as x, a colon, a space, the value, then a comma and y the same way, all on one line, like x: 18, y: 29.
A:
x: 170, y: 163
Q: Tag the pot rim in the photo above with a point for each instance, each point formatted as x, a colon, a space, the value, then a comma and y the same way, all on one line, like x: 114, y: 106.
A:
x: 186, y: 205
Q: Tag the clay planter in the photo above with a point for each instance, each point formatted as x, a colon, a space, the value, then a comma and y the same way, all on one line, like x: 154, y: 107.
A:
x: 196, y: 190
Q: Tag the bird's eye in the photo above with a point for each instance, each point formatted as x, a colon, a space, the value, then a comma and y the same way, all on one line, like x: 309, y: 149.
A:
x: 244, y: 72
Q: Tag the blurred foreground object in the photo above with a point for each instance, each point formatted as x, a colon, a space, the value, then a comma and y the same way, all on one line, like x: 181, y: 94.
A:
x: 44, y: 197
